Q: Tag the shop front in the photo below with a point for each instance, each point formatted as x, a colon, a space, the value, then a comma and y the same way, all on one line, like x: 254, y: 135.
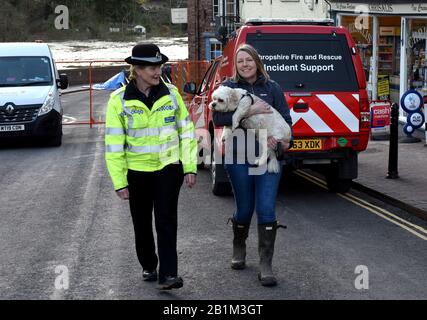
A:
x: 391, y: 38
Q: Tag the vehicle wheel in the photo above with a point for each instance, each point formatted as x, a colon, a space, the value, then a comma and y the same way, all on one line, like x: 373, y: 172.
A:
x: 218, y: 188
x: 56, y: 140
x: 338, y: 185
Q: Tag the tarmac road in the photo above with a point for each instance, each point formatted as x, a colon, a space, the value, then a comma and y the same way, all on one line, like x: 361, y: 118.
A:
x: 61, y: 218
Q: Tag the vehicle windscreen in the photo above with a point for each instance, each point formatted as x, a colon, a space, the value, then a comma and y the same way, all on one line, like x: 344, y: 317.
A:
x: 307, y: 62
x: 25, y: 71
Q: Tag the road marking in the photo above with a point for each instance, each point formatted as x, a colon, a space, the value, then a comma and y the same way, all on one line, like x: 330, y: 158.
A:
x: 385, y: 214
x: 368, y: 204
x: 68, y: 119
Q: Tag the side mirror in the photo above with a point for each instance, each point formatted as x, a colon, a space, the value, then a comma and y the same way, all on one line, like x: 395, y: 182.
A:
x: 63, y: 81
x: 190, y: 87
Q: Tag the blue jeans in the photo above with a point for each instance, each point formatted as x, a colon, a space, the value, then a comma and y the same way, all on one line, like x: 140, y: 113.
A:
x: 253, y: 190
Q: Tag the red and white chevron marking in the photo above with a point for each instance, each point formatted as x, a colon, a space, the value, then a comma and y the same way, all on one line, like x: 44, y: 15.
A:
x: 328, y: 113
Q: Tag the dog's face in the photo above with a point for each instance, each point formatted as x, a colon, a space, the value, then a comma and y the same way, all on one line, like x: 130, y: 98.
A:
x: 224, y: 99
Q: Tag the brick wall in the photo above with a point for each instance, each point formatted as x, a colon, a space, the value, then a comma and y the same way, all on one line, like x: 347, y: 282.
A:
x: 199, y: 21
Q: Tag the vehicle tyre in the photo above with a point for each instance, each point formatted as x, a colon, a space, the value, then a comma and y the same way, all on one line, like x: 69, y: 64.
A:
x: 338, y: 185
x: 219, y: 188
x: 56, y: 140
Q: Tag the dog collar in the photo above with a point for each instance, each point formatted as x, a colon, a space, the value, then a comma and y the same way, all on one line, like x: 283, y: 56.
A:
x: 247, y: 94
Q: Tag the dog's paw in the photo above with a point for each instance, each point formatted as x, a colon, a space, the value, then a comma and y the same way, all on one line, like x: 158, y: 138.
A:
x: 235, y: 125
x: 226, y: 133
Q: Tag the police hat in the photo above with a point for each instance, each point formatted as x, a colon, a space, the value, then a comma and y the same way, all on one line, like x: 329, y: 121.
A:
x: 146, y: 55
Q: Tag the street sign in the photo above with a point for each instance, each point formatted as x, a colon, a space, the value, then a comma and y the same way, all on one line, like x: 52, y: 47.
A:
x: 179, y: 15
x: 416, y: 119
x: 411, y: 101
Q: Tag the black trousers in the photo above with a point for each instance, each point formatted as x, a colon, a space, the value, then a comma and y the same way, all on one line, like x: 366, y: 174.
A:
x: 158, y: 190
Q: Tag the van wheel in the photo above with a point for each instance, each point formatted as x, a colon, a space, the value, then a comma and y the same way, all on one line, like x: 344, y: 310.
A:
x: 56, y: 140
x: 218, y: 188
x: 338, y: 185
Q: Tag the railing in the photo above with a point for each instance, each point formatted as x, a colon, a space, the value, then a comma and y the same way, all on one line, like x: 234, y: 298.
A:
x: 178, y: 72
x: 230, y: 22
x: 91, y: 121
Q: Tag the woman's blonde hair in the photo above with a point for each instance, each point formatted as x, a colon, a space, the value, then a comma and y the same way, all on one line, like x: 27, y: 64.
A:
x: 254, y: 54
x: 132, y: 72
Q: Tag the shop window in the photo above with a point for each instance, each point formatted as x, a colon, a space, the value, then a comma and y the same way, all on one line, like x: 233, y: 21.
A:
x: 389, y: 58
x: 417, y: 58
x: 362, y: 35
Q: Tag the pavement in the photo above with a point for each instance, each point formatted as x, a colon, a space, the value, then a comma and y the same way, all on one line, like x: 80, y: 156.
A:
x: 408, y: 191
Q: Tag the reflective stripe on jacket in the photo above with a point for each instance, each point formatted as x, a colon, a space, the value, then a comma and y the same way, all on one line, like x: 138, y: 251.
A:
x: 141, y: 139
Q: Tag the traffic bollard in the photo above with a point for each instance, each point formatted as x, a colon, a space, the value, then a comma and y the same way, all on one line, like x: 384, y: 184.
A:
x: 393, y: 148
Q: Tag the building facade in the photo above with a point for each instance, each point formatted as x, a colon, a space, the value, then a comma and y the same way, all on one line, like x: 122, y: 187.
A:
x: 201, y: 28
x: 284, y: 9
x: 391, y: 37
x: 205, y: 17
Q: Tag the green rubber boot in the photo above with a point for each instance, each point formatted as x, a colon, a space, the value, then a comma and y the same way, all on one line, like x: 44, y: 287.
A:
x: 240, y: 231
x: 266, y: 239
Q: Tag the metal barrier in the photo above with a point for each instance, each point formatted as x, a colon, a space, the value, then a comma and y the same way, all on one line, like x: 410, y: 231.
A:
x: 178, y: 72
x: 187, y: 71
x: 91, y: 120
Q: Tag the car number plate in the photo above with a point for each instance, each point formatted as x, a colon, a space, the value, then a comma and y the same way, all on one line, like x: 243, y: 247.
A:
x: 10, y: 128
x: 309, y: 144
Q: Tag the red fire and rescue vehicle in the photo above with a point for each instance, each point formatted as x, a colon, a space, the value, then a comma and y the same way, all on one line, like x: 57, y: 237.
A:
x: 321, y: 73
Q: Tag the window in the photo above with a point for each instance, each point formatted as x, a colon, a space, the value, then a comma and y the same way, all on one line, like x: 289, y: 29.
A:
x: 307, y: 62
x: 230, y: 9
x: 215, y: 4
x: 25, y: 71
x: 207, y: 78
x: 215, y: 49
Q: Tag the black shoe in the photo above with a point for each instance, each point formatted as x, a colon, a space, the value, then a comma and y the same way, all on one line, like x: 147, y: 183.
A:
x: 149, y: 275
x: 171, y: 283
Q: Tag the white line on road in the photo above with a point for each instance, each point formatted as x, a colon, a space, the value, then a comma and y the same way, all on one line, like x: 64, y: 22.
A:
x: 68, y: 119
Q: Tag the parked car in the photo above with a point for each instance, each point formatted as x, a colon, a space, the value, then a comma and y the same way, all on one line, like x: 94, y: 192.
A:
x: 29, y: 97
x: 320, y: 70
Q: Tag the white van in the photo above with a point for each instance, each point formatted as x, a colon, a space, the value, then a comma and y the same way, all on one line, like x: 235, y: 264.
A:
x: 29, y: 95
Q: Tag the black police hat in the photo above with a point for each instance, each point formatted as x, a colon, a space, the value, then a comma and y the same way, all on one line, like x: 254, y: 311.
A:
x: 146, y: 55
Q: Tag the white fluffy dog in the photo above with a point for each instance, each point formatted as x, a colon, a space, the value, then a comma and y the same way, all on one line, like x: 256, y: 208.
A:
x: 225, y: 99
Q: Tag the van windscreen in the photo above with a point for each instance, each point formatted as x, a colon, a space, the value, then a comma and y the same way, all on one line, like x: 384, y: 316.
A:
x: 307, y: 62
x: 25, y: 71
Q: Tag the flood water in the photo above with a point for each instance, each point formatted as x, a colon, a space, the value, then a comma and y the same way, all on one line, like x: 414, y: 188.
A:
x: 174, y: 48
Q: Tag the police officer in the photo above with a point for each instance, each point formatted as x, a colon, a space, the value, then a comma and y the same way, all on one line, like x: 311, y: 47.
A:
x: 150, y: 150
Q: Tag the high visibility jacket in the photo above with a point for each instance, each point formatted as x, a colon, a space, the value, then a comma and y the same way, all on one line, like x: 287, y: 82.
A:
x: 141, y: 139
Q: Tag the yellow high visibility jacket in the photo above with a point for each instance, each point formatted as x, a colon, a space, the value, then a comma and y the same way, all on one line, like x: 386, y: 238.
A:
x: 141, y: 139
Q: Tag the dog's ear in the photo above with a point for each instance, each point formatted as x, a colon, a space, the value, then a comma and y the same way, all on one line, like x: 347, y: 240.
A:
x: 234, y: 98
